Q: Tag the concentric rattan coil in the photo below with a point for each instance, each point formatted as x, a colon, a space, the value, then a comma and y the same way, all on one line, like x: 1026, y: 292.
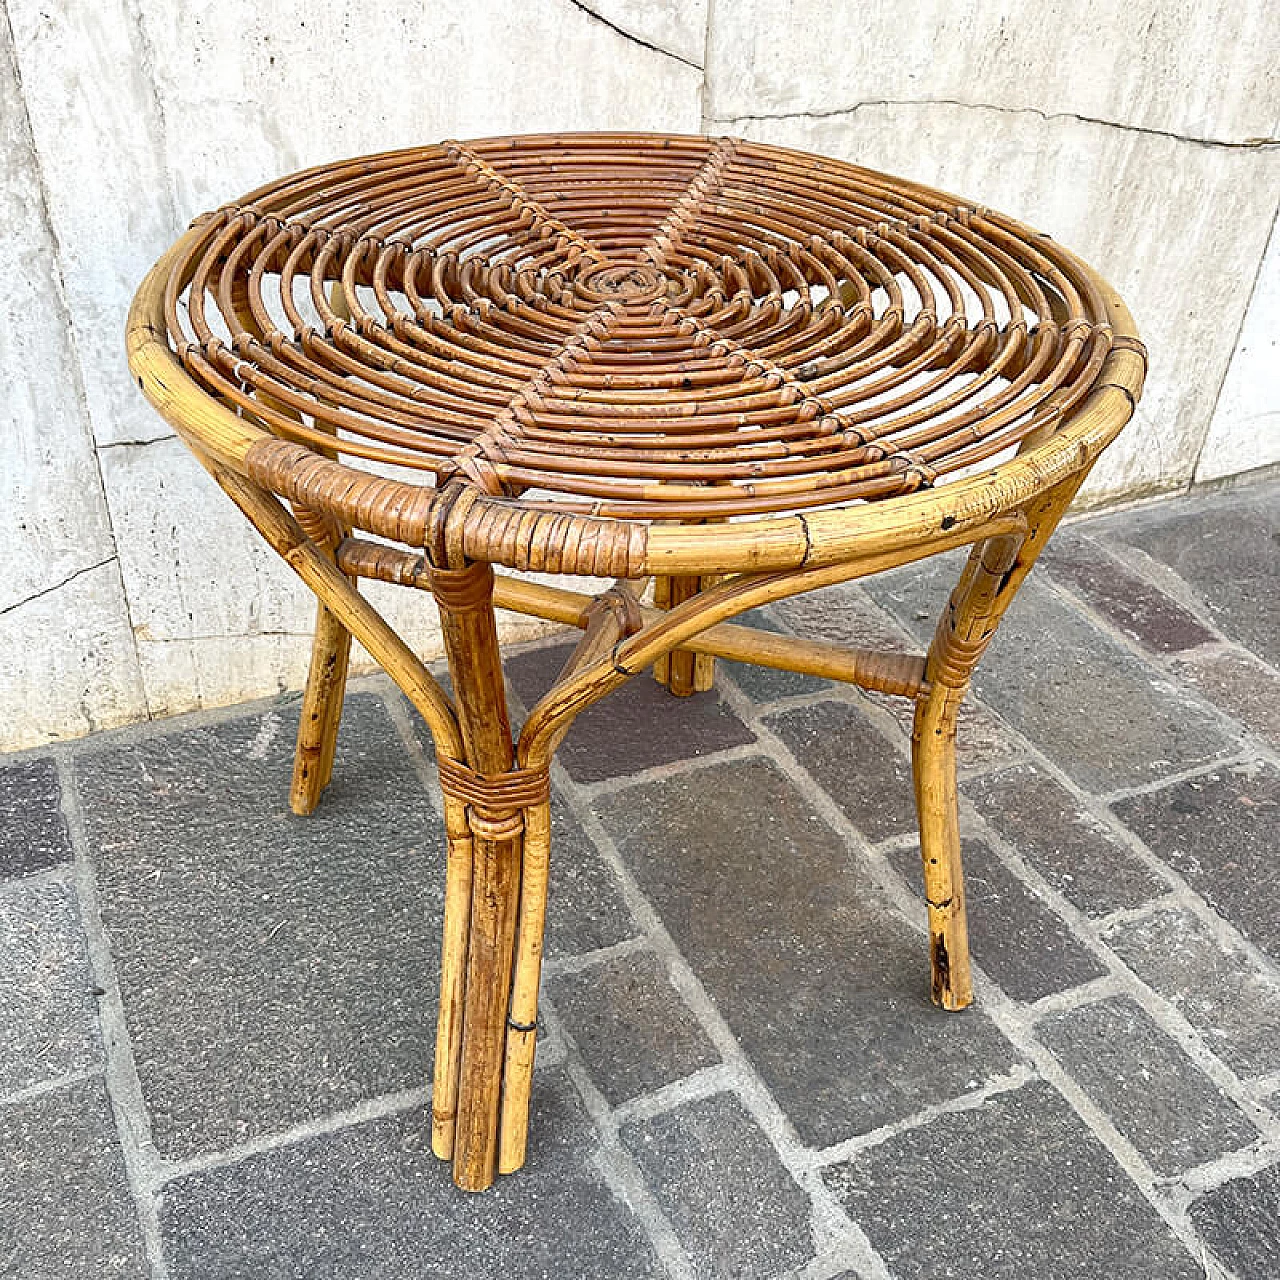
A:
x: 642, y: 328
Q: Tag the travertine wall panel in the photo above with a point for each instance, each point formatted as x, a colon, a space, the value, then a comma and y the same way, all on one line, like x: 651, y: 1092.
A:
x: 96, y: 127
x: 1178, y: 66
x: 1245, y: 431
x: 252, y: 91
x: 67, y: 663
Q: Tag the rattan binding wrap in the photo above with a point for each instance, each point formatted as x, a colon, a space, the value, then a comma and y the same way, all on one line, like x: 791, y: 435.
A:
x: 596, y: 332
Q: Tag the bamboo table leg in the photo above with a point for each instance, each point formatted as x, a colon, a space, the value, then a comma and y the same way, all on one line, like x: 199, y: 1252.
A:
x: 683, y: 673
x: 964, y: 631
x: 995, y: 569
x: 321, y: 711
x: 331, y: 644
x: 503, y: 806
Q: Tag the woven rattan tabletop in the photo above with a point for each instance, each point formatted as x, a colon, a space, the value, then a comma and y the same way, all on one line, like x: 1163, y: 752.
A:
x: 599, y: 335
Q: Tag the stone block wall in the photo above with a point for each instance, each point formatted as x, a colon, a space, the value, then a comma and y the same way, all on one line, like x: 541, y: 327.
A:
x: 1143, y: 137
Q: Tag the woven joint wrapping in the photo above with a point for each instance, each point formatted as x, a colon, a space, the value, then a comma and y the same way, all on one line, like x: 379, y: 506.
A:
x: 320, y: 527
x: 954, y: 658
x: 461, y: 590
x: 495, y: 805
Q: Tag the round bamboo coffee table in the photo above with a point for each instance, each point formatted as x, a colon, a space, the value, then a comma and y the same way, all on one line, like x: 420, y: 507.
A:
x: 734, y: 371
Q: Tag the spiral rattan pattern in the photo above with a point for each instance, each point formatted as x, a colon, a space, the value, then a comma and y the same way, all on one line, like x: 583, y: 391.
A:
x: 635, y: 327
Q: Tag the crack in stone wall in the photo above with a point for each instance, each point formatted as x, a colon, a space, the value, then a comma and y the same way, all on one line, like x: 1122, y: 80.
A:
x: 630, y: 35
x: 57, y: 586
x: 1245, y: 144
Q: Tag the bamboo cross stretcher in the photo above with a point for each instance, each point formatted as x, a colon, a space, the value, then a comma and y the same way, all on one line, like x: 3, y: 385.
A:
x: 733, y: 371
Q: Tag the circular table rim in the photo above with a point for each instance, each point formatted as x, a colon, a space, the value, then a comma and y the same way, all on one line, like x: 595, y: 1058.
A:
x: 820, y: 536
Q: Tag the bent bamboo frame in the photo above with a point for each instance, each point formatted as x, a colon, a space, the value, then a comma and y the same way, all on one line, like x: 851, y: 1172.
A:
x: 738, y: 370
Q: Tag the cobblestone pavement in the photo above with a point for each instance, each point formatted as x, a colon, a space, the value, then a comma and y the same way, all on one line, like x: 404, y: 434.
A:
x: 216, y: 1018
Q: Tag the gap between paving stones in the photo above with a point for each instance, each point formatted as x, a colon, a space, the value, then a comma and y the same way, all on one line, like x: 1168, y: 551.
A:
x: 53, y: 1085
x: 1238, y: 760
x: 387, y: 1104
x: 839, y: 1152
x: 1072, y: 998
x: 832, y: 1227
x: 124, y: 1089
x: 592, y: 791
x: 63, y: 874
x: 560, y: 966
x: 999, y: 1007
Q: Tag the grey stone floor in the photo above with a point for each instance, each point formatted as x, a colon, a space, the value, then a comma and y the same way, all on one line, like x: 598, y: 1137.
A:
x: 216, y: 1018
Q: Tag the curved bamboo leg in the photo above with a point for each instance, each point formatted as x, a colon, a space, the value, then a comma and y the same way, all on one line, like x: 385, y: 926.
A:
x: 453, y: 972
x: 287, y: 537
x: 963, y: 633
x: 522, y: 1022
x: 933, y: 763
x: 465, y: 600
x: 321, y: 711
x: 331, y: 642
x: 682, y: 672
x: 991, y: 577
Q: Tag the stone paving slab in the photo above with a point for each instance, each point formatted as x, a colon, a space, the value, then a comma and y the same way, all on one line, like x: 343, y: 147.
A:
x: 1073, y: 849
x: 33, y: 833
x: 1240, y: 1221
x: 617, y: 736
x: 1142, y: 611
x: 1156, y: 1096
x: 824, y: 985
x: 843, y: 614
x: 1240, y: 685
x: 1227, y: 995
x: 272, y: 968
x: 585, y: 907
x: 746, y: 1076
x: 1015, y: 1188
x: 1220, y: 830
x: 633, y: 1031
x: 865, y: 776
x: 48, y: 1018
x: 370, y: 1202
x: 735, y: 1209
x: 66, y: 1209
x: 1223, y: 550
